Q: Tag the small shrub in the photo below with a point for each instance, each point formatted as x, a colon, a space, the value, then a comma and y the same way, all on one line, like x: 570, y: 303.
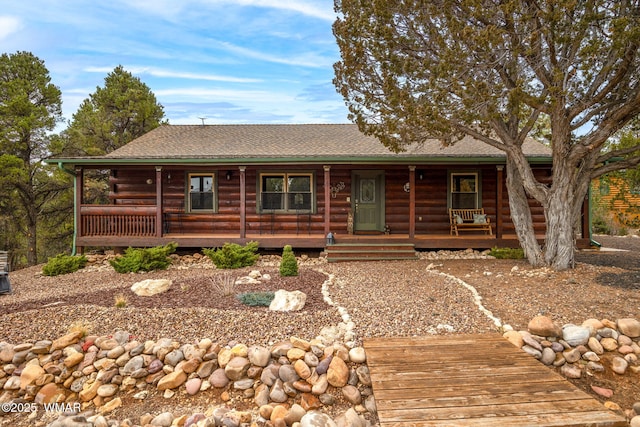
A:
x: 507, y: 253
x: 147, y: 259
x: 289, y: 263
x: 601, y: 226
x: 64, y: 264
x: 223, y: 285
x: 83, y: 326
x: 257, y: 299
x: 232, y: 255
x: 120, y: 301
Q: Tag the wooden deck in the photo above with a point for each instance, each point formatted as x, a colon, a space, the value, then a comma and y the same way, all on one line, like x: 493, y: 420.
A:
x: 473, y: 380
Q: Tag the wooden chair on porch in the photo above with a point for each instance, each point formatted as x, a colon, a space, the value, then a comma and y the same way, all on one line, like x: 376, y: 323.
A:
x: 5, y: 285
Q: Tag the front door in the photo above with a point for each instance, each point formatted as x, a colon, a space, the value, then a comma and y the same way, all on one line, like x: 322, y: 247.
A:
x: 368, y: 201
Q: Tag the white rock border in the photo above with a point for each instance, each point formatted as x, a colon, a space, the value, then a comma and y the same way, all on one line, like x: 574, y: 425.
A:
x: 477, y: 298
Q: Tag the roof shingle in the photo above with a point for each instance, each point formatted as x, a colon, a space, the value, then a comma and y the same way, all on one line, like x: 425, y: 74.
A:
x: 292, y: 141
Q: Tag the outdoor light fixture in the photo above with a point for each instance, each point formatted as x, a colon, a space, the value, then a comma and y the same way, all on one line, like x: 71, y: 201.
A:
x: 330, y: 239
x: 229, y: 173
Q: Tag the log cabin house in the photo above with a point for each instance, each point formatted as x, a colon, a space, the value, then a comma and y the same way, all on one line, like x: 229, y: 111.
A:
x: 205, y: 185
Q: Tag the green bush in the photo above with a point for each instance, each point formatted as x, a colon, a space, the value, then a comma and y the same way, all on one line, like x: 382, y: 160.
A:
x: 232, y: 255
x: 63, y: 264
x: 289, y: 263
x: 147, y: 259
x: 601, y: 226
x: 507, y: 253
x: 256, y: 299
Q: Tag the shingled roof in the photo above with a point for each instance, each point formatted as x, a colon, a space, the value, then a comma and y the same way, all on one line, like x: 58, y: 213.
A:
x: 314, y: 142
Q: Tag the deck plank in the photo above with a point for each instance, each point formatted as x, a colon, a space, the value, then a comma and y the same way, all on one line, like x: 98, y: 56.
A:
x: 473, y: 380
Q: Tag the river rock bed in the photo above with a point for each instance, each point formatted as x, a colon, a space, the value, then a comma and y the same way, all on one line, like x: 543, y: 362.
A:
x: 295, y: 383
x: 592, y: 348
x: 292, y: 383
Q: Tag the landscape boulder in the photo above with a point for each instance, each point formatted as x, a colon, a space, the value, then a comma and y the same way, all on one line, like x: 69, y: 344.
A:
x: 629, y: 327
x: 288, y: 301
x: 150, y: 287
x: 543, y: 326
x: 575, y: 335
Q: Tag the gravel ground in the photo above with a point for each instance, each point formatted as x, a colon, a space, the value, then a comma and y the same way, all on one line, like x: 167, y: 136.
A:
x: 46, y: 307
x: 401, y: 298
x: 396, y: 298
x: 393, y: 298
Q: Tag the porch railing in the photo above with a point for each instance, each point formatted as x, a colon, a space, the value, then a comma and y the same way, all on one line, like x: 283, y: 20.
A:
x: 125, y: 221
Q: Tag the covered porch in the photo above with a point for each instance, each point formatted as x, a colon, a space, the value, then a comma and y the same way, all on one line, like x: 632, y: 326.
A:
x: 315, y: 241
x: 150, y: 219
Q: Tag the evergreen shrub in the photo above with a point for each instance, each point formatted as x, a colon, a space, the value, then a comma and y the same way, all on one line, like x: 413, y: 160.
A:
x: 289, y: 263
x: 256, y: 299
x: 507, y: 253
x: 64, y: 264
x: 136, y: 260
x: 232, y: 255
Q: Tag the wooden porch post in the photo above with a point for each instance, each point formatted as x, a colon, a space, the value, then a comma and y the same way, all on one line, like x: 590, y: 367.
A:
x: 79, y: 181
x: 158, y: 201
x: 499, y: 200
x: 412, y: 202
x: 243, y: 202
x: 327, y: 199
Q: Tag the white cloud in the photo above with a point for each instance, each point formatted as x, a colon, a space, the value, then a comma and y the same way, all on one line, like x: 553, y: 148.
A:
x: 9, y: 25
x: 198, y: 93
x: 162, y: 73
x: 302, y: 7
x: 306, y: 60
x: 171, y: 8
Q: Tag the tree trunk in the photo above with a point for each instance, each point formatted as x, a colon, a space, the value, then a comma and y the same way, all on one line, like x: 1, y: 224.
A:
x: 32, y: 248
x: 521, y: 216
x: 565, y: 201
x: 559, y: 248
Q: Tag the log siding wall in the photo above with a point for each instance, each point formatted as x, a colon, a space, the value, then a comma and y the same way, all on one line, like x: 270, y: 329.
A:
x: 137, y: 187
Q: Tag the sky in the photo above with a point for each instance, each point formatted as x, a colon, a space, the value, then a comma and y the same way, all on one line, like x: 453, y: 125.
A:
x: 224, y: 61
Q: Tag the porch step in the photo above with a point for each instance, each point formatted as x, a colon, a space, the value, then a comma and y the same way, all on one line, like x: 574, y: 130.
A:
x: 370, y: 252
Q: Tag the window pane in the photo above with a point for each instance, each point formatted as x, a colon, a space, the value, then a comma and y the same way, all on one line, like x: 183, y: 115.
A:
x: 299, y: 183
x: 201, y: 200
x: 286, y: 192
x: 207, y: 183
x: 195, y: 184
x: 271, y: 192
x: 201, y: 192
x: 368, y: 190
x: 464, y: 184
x: 272, y: 201
x: 463, y: 201
x: 464, y: 191
x: 273, y: 184
x: 299, y: 201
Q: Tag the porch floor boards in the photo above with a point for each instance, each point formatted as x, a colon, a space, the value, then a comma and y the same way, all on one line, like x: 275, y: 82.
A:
x: 303, y: 240
x: 473, y: 380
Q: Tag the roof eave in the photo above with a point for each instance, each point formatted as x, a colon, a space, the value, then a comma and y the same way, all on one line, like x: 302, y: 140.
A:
x: 106, y: 161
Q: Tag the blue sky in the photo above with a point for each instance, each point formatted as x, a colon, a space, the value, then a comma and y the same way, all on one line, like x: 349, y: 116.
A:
x: 230, y: 61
